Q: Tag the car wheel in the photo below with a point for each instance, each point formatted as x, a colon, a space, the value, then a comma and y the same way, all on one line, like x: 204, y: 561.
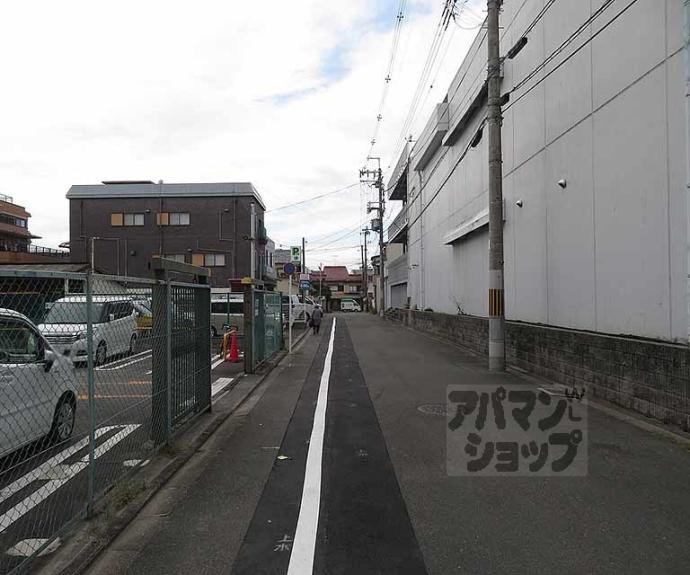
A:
x: 63, y: 420
x: 101, y: 353
x: 132, y: 344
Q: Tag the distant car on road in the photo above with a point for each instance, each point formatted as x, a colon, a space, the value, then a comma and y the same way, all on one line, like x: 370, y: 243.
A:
x: 38, y: 387
x: 350, y: 305
x: 114, y: 327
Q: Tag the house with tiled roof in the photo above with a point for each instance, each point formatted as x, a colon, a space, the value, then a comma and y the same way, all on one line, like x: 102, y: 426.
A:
x: 336, y: 284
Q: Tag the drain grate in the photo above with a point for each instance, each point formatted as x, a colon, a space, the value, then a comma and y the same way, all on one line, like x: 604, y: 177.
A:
x: 433, y: 409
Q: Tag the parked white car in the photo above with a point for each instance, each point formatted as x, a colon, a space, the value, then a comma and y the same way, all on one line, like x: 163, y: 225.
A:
x: 227, y: 309
x: 114, y: 327
x: 38, y: 387
x: 302, y: 308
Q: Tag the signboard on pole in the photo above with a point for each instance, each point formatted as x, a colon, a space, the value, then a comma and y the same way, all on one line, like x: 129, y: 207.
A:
x: 289, y: 268
x: 304, y: 277
x: 296, y: 254
x: 304, y: 285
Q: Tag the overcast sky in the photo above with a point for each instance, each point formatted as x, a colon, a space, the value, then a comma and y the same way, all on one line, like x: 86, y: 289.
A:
x: 282, y: 94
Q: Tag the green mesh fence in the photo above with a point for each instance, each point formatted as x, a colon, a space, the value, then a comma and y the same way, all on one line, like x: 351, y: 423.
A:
x: 96, y: 372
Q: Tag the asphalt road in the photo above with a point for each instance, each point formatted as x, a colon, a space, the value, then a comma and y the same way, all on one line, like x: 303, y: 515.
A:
x: 336, y: 466
x: 43, y: 487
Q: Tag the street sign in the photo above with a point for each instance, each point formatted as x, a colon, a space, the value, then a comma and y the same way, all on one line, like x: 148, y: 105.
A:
x: 304, y: 285
x: 289, y: 268
x: 296, y: 254
x: 304, y: 277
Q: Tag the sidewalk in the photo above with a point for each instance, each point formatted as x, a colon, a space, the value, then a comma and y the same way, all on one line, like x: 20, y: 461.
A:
x: 386, y: 493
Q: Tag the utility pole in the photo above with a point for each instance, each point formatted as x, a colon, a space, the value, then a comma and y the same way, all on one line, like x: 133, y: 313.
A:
x: 304, y: 267
x: 497, y: 353
x: 252, y: 238
x: 381, y: 207
x: 365, y: 270
x: 364, y: 279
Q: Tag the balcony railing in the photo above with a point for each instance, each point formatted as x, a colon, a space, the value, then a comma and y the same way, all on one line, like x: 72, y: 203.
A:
x: 399, y: 223
x: 8, y: 199
x: 32, y: 249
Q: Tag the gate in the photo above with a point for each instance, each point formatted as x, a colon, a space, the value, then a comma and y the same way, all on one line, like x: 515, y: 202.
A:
x: 266, y: 325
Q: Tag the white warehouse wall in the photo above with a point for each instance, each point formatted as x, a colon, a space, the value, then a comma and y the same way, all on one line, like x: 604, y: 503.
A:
x: 609, y: 252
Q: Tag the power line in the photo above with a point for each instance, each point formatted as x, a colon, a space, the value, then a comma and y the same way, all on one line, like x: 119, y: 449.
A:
x: 307, y: 200
x: 389, y: 71
x: 465, y: 151
x: 563, y: 46
x: 572, y: 54
x: 432, y: 54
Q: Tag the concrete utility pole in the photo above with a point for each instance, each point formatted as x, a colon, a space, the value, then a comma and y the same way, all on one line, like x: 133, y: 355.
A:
x: 365, y: 270
x: 687, y: 152
x: 497, y: 353
x: 304, y: 265
x: 252, y: 238
x: 381, y: 208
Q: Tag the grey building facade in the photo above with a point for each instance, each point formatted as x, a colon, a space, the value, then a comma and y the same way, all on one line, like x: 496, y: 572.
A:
x: 120, y: 226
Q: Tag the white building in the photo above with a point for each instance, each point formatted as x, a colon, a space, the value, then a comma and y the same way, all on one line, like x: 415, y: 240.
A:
x: 609, y: 251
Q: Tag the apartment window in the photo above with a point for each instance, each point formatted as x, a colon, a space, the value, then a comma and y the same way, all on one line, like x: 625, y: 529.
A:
x: 7, y: 219
x: 173, y: 219
x: 175, y: 257
x: 214, y: 260
x: 126, y: 220
x: 134, y: 219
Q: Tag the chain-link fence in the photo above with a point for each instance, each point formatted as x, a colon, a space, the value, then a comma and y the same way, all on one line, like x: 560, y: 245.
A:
x: 95, y: 373
x: 266, y: 326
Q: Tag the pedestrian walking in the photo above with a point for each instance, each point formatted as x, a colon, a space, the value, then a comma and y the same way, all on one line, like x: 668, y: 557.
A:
x: 316, y: 319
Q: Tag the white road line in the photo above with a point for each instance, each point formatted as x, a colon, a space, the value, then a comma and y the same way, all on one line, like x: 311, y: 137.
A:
x: 302, y: 557
x: 27, y: 547
x: 214, y: 365
x: 56, y: 474
x: 113, y: 367
x: 220, y: 384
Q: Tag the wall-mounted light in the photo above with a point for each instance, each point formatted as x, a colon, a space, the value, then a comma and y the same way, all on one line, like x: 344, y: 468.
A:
x: 226, y: 210
x: 562, y: 183
x: 133, y: 253
x: 518, y: 203
x: 148, y: 211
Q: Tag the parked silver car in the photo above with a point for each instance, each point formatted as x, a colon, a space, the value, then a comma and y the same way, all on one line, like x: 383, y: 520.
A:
x: 38, y: 387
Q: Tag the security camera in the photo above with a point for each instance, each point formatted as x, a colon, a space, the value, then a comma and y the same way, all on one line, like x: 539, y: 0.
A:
x: 562, y: 183
x: 518, y: 203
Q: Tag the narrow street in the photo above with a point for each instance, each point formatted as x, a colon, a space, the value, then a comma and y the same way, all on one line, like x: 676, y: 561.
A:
x: 266, y: 496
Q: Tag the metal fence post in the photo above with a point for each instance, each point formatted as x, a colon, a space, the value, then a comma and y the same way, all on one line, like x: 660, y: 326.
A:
x: 168, y: 359
x: 91, y: 394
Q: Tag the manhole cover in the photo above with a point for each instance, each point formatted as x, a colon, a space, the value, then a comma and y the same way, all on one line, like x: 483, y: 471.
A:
x: 433, y: 409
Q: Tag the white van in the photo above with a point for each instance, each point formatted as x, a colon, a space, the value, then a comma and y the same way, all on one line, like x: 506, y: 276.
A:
x: 114, y: 327
x: 350, y: 305
x: 38, y: 391
x: 227, y: 309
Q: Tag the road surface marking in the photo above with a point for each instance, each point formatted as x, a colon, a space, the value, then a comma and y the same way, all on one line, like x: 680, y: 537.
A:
x: 115, y: 366
x: 220, y: 384
x: 216, y: 363
x: 56, y: 478
x: 302, y: 557
x: 85, y: 396
x: 27, y: 547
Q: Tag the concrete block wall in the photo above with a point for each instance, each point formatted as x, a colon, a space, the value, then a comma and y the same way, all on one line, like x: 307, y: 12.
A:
x: 649, y: 377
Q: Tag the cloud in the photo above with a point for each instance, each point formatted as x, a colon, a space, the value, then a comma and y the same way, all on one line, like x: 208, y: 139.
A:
x: 283, y: 94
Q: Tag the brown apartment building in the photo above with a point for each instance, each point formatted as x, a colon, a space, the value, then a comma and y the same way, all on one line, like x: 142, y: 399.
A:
x: 120, y: 226
x: 16, y: 245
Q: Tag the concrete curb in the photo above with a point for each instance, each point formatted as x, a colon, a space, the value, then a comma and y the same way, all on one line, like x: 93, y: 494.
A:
x: 94, y: 535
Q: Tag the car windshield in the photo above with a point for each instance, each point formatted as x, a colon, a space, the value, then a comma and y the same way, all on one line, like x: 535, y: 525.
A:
x: 72, y: 312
